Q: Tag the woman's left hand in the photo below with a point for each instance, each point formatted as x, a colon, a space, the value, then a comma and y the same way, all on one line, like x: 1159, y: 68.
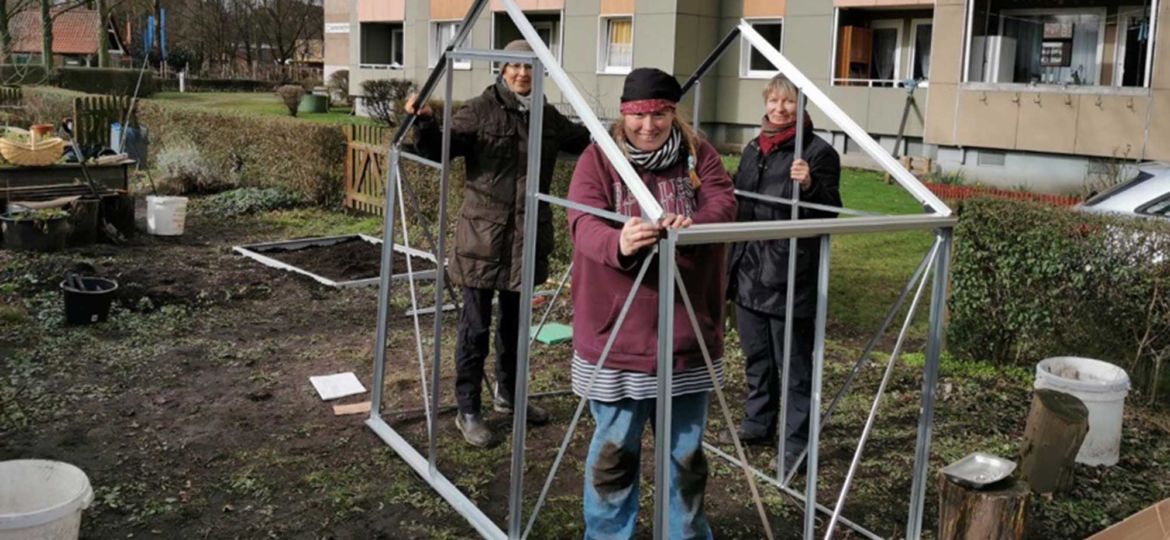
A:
x: 800, y: 174
x: 675, y: 221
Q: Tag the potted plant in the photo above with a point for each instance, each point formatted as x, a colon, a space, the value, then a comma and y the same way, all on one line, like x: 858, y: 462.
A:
x: 36, y: 230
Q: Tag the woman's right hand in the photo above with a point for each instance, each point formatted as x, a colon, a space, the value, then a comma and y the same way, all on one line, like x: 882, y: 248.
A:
x: 637, y: 234
x: 409, y: 106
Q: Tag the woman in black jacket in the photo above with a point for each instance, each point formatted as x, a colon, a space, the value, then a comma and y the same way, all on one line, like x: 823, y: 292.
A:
x: 758, y: 270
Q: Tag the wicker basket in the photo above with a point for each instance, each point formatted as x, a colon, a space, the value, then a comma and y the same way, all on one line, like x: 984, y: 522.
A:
x: 44, y: 152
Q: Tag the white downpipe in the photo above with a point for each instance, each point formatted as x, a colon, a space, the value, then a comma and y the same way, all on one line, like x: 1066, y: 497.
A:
x: 651, y: 210
x: 818, y: 98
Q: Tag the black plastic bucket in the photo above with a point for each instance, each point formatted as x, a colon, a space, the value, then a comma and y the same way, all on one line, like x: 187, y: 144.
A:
x: 90, y: 305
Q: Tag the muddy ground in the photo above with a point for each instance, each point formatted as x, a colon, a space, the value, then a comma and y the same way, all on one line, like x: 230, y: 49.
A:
x: 192, y: 413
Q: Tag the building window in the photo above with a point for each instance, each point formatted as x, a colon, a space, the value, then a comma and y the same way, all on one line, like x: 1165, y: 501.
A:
x: 883, y: 47
x: 442, y: 34
x: 547, y: 26
x: 752, y: 63
x: 381, y: 45
x: 616, y: 51
x: 920, y: 40
x: 1095, y: 44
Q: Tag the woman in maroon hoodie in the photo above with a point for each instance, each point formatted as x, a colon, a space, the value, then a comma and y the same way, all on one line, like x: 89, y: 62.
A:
x: 686, y: 175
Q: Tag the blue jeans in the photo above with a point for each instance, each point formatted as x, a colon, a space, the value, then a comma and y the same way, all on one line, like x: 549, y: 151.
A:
x: 612, y: 468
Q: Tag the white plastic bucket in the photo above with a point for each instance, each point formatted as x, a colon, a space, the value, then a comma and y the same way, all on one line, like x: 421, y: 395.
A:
x: 42, y: 499
x: 1103, y: 387
x: 165, y: 216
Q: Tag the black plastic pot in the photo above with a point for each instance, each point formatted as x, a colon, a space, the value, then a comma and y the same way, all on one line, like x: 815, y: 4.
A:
x: 34, y: 234
x: 90, y: 305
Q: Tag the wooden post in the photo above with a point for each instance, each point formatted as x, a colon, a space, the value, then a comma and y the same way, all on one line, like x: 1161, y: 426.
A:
x: 999, y: 513
x: 1057, y: 425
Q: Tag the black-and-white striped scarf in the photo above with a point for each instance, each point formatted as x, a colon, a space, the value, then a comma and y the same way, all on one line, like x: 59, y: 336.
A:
x: 656, y: 160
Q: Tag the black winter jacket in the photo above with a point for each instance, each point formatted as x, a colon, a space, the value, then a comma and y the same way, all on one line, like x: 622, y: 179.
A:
x: 758, y: 270
x: 491, y: 132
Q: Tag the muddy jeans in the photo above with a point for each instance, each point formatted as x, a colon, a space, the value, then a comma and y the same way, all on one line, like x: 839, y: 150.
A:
x: 612, y: 468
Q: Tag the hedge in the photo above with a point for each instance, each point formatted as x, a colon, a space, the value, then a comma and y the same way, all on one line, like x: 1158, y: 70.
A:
x: 254, y: 151
x: 114, y: 81
x: 194, y: 84
x: 1032, y: 281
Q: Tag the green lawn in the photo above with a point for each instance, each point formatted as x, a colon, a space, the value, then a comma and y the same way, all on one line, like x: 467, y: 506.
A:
x: 868, y: 270
x: 262, y: 103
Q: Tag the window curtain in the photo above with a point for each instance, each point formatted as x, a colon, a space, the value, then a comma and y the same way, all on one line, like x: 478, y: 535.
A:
x: 885, y: 47
x: 621, y: 43
x: 922, y: 53
x: 1029, y: 34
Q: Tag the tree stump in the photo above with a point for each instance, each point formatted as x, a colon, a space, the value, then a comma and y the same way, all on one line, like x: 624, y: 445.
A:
x: 998, y: 513
x: 1057, y: 425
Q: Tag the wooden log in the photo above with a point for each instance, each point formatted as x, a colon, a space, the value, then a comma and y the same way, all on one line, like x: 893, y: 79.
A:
x: 998, y: 513
x: 1057, y: 425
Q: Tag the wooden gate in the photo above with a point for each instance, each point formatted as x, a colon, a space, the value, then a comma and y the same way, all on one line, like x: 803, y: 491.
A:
x: 93, y: 115
x: 365, y: 168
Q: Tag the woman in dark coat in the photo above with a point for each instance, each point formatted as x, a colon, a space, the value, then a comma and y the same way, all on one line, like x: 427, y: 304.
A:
x: 758, y: 270
x: 491, y: 133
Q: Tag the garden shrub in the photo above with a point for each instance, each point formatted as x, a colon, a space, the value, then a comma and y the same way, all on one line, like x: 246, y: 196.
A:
x: 291, y: 95
x: 246, y: 150
x: 183, y: 164
x: 383, y: 98
x: 25, y: 74
x: 1032, y: 281
x: 244, y: 201
x: 339, y: 86
x: 44, y: 105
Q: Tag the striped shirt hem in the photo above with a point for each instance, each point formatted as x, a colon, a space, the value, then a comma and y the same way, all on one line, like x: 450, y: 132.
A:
x: 617, y: 384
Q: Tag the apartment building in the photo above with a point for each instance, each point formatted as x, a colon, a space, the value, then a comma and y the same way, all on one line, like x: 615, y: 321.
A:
x: 1044, y: 94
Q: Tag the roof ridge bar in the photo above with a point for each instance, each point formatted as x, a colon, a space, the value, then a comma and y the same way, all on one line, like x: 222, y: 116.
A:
x: 822, y: 101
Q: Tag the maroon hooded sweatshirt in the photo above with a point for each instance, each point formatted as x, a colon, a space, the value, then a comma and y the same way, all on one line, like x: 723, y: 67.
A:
x: 602, y: 277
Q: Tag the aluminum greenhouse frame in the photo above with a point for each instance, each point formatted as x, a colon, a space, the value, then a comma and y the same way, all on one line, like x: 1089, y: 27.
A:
x: 935, y: 267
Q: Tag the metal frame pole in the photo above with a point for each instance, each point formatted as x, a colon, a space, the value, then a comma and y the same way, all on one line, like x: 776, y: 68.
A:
x: 697, y: 103
x: 929, y: 381
x: 441, y: 247
x: 786, y: 363
x: 384, y: 284
x: 649, y: 205
x: 711, y: 59
x: 665, y: 373
x: 422, y: 369
x: 429, y: 86
x: 877, y: 399
x: 814, y: 417
x: 528, y: 271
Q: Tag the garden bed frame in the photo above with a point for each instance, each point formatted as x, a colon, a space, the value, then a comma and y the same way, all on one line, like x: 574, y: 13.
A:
x: 257, y: 252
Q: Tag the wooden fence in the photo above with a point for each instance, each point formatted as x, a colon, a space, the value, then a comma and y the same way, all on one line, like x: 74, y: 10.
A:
x: 365, y: 168
x: 93, y: 115
x: 11, y: 97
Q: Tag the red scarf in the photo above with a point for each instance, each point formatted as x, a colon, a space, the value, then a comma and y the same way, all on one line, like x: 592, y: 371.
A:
x: 773, y: 136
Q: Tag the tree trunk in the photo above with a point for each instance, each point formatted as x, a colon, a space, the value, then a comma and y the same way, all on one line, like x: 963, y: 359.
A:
x: 103, y: 54
x: 5, y: 35
x: 46, y: 35
x: 1000, y: 513
x: 1057, y: 425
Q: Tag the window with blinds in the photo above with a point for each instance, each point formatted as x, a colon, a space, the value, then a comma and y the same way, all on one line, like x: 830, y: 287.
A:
x: 616, y: 53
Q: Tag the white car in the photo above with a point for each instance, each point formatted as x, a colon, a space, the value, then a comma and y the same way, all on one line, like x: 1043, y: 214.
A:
x: 1146, y: 195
